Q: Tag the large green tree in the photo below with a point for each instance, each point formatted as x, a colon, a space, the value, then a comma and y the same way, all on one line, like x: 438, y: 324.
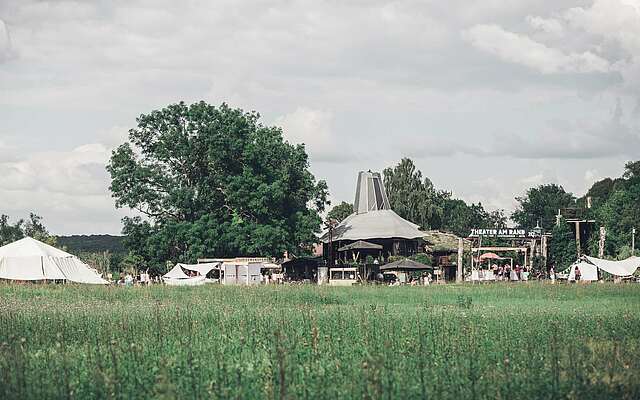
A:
x: 214, y: 181
x: 413, y: 197
x: 541, y: 204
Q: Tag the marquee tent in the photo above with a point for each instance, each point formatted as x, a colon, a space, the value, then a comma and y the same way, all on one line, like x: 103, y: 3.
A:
x: 589, y: 272
x: 31, y: 260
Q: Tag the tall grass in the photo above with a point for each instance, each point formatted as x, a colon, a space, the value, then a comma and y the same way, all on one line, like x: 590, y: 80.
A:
x: 457, y: 341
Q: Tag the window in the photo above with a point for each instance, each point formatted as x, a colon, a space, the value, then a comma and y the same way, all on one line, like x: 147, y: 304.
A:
x: 336, y: 275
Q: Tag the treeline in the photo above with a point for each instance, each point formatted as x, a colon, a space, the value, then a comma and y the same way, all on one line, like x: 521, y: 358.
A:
x: 92, y: 243
x: 32, y: 227
x: 612, y: 203
x: 414, y: 197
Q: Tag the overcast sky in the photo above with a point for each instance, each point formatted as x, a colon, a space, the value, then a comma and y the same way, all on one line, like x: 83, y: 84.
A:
x: 488, y: 99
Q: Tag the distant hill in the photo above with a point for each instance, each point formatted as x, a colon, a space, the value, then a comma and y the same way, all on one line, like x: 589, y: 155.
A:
x: 92, y: 243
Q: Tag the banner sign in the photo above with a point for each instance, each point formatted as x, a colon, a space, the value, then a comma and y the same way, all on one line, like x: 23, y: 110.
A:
x: 506, y: 233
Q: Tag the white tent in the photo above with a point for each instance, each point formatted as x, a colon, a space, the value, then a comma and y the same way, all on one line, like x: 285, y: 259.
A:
x: 31, y: 260
x: 202, y: 269
x: 618, y: 268
x: 589, y: 272
x: 177, y: 277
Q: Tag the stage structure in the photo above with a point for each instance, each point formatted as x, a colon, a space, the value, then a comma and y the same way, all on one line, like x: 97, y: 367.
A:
x: 528, y: 242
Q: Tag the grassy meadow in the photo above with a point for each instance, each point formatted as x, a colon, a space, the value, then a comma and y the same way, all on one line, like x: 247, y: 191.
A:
x: 506, y: 341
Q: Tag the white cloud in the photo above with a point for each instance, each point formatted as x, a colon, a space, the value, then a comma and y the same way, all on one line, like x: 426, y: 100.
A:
x: 313, y: 128
x: 520, y: 49
x: 5, y: 42
x: 68, y: 188
x: 548, y: 25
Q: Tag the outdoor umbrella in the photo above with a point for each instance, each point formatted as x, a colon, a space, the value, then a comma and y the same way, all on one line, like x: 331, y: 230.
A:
x: 405, y: 265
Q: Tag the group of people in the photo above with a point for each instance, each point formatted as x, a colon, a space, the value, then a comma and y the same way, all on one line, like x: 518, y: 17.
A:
x: 506, y: 273
x: 141, y: 279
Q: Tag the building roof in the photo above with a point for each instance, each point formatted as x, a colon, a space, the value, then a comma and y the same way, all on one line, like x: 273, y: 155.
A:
x: 373, y: 217
x: 381, y: 224
x: 443, y: 241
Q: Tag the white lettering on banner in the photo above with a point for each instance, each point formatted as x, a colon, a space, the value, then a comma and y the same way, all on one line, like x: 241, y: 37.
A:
x: 503, y: 233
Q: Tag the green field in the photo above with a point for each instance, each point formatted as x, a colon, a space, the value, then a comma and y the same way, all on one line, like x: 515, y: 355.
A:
x: 494, y: 341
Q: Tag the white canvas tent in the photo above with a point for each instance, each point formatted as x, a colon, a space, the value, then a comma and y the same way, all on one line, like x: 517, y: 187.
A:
x: 617, y: 268
x: 31, y: 260
x: 177, y: 277
x: 589, y: 272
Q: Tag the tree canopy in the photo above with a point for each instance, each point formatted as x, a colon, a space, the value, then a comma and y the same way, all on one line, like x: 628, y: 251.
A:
x: 618, y: 209
x: 415, y: 198
x: 541, y: 204
x: 213, y: 181
x: 340, y: 211
x: 32, y: 227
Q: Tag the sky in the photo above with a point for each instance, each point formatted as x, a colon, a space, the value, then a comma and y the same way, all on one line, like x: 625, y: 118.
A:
x: 488, y: 98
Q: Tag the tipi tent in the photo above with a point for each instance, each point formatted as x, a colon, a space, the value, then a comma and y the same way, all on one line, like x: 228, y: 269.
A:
x: 31, y: 260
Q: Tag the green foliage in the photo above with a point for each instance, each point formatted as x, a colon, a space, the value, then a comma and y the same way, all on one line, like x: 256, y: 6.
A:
x: 423, y: 258
x: 562, y: 247
x: 32, y: 227
x: 340, y: 212
x: 92, y: 243
x: 502, y: 341
x: 416, y: 199
x: 615, y: 206
x: 541, y: 204
x: 412, y: 197
x: 213, y: 181
x: 132, y: 263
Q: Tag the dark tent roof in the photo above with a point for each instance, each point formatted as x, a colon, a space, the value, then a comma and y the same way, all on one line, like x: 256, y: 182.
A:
x: 404, y: 265
x: 361, y: 245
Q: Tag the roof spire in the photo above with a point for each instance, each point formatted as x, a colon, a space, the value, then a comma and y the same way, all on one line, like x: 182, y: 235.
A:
x: 370, y: 193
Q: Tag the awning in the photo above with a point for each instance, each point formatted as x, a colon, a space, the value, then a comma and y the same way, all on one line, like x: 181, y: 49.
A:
x: 404, y: 265
x: 618, y: 268
x: 361, y: 245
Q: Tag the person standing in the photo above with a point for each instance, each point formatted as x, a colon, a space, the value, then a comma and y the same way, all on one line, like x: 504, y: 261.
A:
x: 578, y: 274
x: 552, y: 275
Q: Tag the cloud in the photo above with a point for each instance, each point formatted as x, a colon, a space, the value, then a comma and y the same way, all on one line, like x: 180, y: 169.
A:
x: 62, y: 186
x: 548, y: 25
x: 520, y: 49
x: 6, y: 51
x: 313, y: 128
